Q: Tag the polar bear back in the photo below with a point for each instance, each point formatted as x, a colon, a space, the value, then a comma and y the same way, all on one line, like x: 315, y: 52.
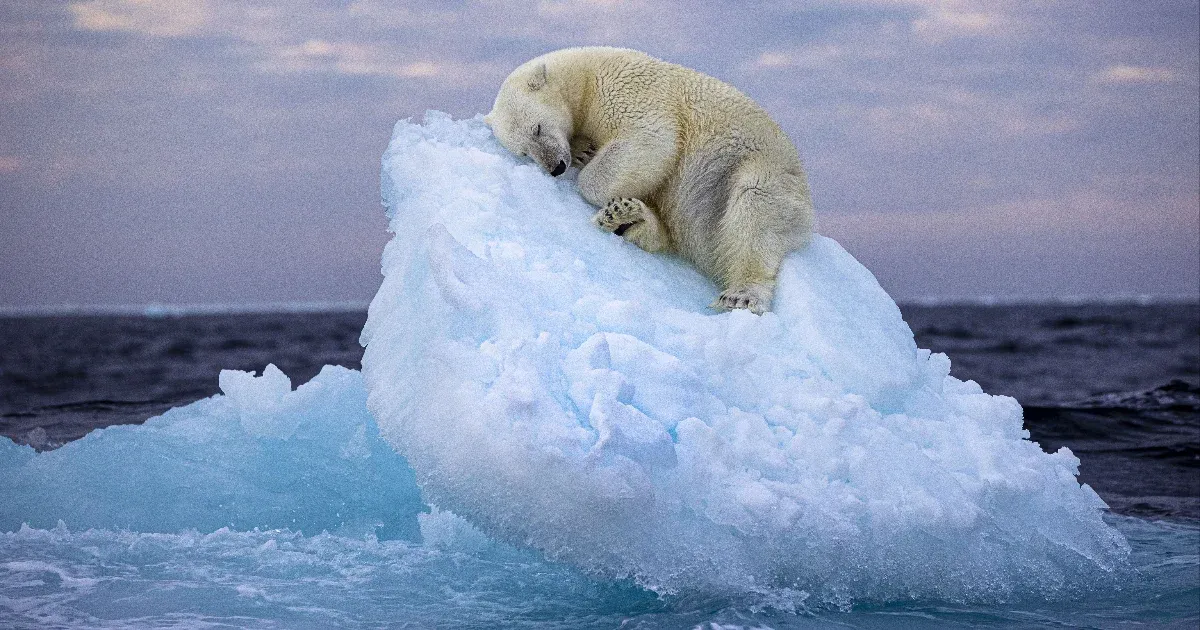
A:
x: 633, y: 87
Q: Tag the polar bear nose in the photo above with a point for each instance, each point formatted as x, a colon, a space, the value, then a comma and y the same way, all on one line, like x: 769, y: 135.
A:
x: 560, y: 169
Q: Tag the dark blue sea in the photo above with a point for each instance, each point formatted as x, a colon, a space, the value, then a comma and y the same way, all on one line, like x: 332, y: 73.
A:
x: 1119, y: 384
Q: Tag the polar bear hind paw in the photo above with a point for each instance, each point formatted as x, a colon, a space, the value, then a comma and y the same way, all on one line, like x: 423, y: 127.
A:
x: 755, y: 298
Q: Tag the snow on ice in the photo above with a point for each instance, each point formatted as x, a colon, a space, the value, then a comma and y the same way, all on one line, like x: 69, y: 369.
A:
x: 558, y: 387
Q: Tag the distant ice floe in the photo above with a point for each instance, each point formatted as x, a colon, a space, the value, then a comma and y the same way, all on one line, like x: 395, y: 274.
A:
x: 560, y: 388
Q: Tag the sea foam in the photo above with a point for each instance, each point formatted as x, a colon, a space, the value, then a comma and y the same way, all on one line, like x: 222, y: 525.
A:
x: 560, y: 388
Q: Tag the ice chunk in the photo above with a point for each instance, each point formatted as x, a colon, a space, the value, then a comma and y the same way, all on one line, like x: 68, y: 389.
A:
x: 257, y: 399
x: 557, y: 386
x: 262, y: 455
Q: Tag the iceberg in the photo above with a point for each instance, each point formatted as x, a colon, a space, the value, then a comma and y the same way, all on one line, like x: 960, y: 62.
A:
x: 559, y: 388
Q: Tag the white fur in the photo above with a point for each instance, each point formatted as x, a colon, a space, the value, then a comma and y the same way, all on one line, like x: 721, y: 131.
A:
x: 676, y: 160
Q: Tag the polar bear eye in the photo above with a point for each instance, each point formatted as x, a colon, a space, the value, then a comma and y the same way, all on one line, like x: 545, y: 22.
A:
x: 537, y: 130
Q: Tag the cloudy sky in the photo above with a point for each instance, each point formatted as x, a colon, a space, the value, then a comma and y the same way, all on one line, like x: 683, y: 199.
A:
x: 227, y: 151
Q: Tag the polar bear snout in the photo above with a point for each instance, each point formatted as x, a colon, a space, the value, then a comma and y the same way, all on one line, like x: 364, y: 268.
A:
x: 551, y: 158
x: 552, y: 163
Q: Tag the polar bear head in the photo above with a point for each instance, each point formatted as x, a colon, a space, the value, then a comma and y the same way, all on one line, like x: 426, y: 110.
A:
x: 530, y: 117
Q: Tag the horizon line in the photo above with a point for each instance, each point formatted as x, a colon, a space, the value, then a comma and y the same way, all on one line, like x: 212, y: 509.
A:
x: 155, y: 309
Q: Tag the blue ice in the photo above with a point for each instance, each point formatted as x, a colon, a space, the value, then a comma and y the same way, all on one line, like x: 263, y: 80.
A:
x: 260, y: 456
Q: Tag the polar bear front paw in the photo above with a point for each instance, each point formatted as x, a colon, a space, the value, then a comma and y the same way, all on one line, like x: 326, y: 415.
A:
x: 582, y: 152
x: 635, y: 221
x: 619, y: 215
x: 755, y: 298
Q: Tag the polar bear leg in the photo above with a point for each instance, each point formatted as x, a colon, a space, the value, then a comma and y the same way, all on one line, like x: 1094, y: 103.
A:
x: 767, y: 216
x: 632, y: 166
x: 634, y: 220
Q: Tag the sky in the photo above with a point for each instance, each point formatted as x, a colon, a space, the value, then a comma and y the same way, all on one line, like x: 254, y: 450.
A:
x: 226, y: 152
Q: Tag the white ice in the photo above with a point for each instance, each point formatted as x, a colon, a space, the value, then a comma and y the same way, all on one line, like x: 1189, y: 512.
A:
x: 558, y: 387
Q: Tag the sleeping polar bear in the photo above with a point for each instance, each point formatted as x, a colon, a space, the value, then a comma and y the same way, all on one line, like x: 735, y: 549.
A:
x: 676, y: 160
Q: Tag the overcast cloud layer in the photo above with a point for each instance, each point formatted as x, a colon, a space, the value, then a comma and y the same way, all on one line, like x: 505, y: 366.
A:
x: 214, y: 151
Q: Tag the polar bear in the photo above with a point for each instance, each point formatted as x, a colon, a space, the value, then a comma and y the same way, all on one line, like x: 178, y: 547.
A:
x: 676, y: 160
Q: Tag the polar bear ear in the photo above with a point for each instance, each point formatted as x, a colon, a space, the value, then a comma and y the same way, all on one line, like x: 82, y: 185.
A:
x: 488, y: 120
x: 538, y: 79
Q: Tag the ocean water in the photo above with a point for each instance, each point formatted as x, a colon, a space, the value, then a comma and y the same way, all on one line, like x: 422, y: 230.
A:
x: 1116, y: 384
